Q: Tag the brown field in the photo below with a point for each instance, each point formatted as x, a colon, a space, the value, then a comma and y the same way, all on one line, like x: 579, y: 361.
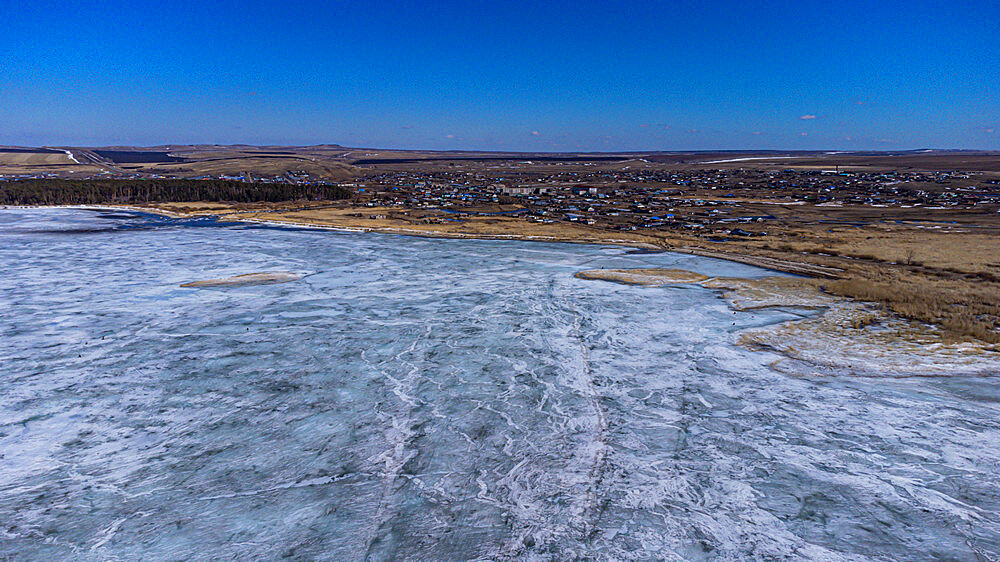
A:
x: 182, y: 162
x: 333, y: 162
x: 13, y: 162
x: 29, y: 159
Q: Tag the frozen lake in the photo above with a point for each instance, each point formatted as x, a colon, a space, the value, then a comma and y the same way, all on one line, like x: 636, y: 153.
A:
x: 415, y: 398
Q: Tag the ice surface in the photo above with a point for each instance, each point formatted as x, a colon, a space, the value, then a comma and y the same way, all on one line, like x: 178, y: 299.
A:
x: 414, y: 398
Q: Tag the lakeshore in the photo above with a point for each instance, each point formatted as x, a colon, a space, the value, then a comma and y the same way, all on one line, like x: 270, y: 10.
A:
x: 836, y: 335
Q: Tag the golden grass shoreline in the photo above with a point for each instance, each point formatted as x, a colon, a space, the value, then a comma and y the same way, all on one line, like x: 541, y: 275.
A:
x: 845, y: 336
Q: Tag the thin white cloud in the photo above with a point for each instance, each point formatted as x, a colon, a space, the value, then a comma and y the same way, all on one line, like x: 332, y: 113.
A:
x: 807, y: 117
x: 535, y: 134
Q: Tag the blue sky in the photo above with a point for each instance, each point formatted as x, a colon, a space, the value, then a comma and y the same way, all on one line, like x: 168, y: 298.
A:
x: 503, y: 75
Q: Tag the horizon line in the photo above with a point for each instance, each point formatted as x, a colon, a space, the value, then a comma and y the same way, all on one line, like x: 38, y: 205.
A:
x: 473, y: 150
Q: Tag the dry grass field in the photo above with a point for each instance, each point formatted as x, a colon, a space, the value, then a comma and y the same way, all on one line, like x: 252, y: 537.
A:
x: 42, y: 161
x: 30, y: 159
x: 178, y: 161
x: 946, y: 278
x: 333, y: 162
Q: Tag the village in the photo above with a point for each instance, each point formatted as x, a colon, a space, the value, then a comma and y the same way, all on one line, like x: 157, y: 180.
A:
x: 704, y: 202
x: 714, y: 204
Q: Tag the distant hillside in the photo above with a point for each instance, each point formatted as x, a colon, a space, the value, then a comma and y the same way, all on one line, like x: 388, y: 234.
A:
x: 332, y: 163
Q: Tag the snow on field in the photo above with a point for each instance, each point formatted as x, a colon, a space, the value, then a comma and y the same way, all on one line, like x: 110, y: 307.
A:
x: 747, y: 159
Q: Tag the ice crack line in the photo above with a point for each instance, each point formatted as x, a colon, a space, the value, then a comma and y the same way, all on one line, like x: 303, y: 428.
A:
x: 582, y: 509
x: 600, y: 439
x: 399, y: 436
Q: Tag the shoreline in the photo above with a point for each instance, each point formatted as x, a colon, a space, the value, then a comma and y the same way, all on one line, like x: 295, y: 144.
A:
x: 783, y: 266
x: 149, y: 210
x: 844, y: 336
x: 227, y: 217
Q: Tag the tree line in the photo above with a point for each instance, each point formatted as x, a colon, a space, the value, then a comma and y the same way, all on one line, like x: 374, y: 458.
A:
x: 90, y: 192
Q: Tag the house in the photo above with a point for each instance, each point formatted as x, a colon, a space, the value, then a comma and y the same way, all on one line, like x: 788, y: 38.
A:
x: 583, y: 190
x: 517, y: 190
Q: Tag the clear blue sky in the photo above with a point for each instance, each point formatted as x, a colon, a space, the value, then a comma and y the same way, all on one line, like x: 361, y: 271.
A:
x: 584, y: 75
